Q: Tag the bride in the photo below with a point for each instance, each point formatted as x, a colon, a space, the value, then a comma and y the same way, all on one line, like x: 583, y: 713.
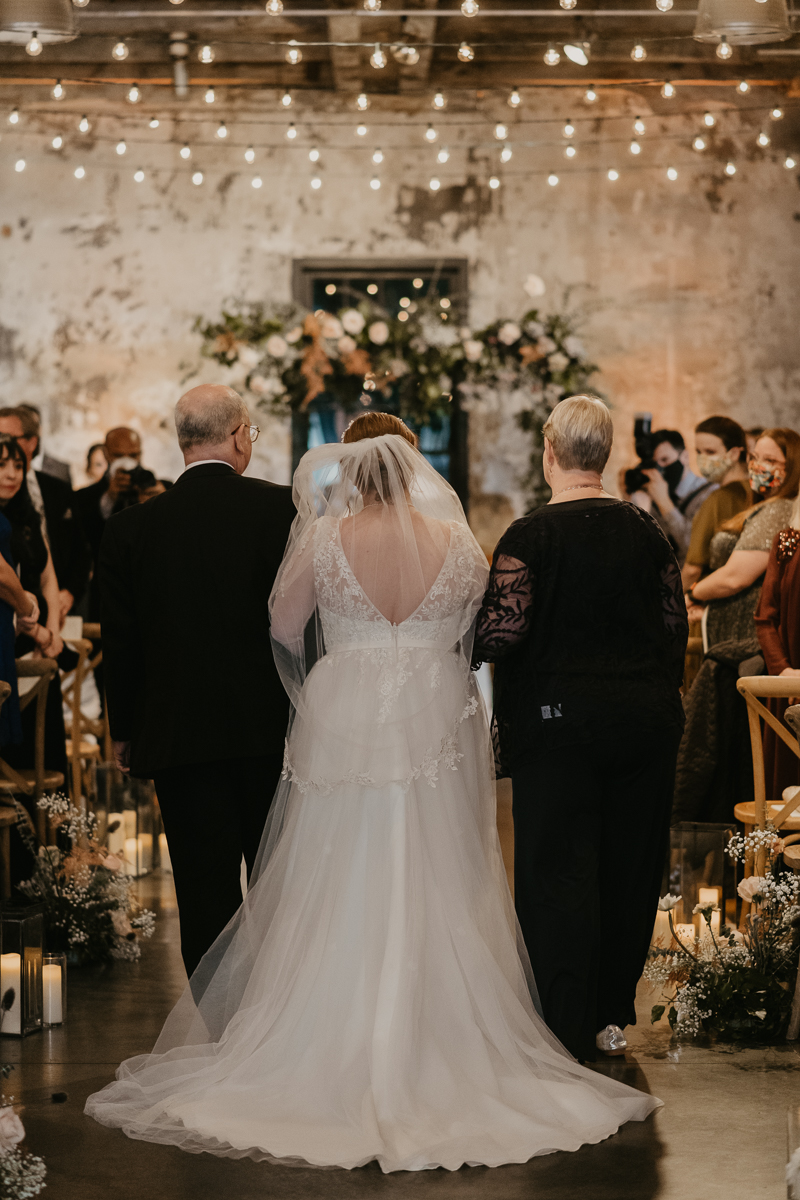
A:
x: 372, y: 998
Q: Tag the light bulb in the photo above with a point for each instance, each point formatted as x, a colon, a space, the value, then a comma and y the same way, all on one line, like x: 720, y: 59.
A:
x: 443, y: 156
x: 494, y: 183
x: 316, y: 182
x: 176, y: 1
x: 664, y: 5
x: 206, y: 54
x: 789, y: 162
x: 57, y: 142
x: 551, y: 56
x: 361, y: 130
x: 58, y: 91
x: 709, y: 120
x: 134, y: 95
x: 294, y: 54
x: 19, y: 165
x: 552, y: 179
x: 209, y: 96
x: 121, y: 147
x: 274, y: 7
x: 730, y: 168
x: 291, y: 132
x: 362, y: 102
x: 639, y: 126
x: 378, y: 58
x: 222, y: 130
x: 84, y: 125
x: 590, y: 95
x: 439, y: 101
x: 13, y: 117
x: 35, y: 47
x: 430, y: 134
x: 672, y: 174
x: 612, y: 174
x: 465, y: 53
x: 434, y: 184
x: 570, y: 151
x: 375, y: 183
x: 313, y: 154
x: 743, y: 87
x: 569, y: 129
x: 699, y: 143
x: 724, y: 51
x: 185, y: 151
x: 470, y: 8
x: 119, y: 51
x: 635, y: 148
x: 197, y: 178
x: 377, y: 157
x: 576, y: 53
x: 514, y: 100
x: 79, y: 172
x: 372, y: 6
x: 776, y: 114
x: 286, y: 99
x: 501, y: 131
x: 249, y: 155
x: 506, y: 154
x: 256, y: 182
x: 763, y: 139
x: 567, y: 4
x: 138, y: 176
x: 638, y: 53
x: 80, y: 3
x: 668, y: 90
x: 407, y: 56
x: 153, y: 122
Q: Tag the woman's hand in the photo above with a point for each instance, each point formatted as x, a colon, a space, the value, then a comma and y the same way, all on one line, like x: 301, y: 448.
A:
x: 48, y: 642
x: 29, y: 616
x: 694, y: 611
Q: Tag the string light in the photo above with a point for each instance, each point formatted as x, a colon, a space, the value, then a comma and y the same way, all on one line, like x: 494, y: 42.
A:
x: 274, y: 7
x: 362, y: 102
x: 613, y: 175
x: 672, y: 174
x: 434, y: 184
x: 439, y: 101
x: 776, y: 114
x: 154, y: 122
x: 80, y: 3
x: 138, y: 176
x: 709, y: 120
x: 551, y: 56
x: 294, y: 54
x: 79, y: 172
x: 84, y: 125
x: 590, y: 95
x: 372, y: 6
x: 568, y: 4
x: 407, y: 56
x: 514, y: 100
x: 577, y: 53
x: 465, y: 52
x: 316, y: 182
x: 185, y: 151
x: 763, y: 139
x: 639, y: 126
x: 730, y: 168
x: 210, y: 96
x: 501, y: 131
x: 58, y: 91
x: 743, y: 87
x: 570, y: 151
x: 552, y: 179
x: 699, y: 143
x: 13, y: 117
x: 494, y: 183
x: 664, y: 5
x: 470, y: 8
x: 176, y: 1
x: 291, y: 132
x: 250, y: 155
x: 313, y: 154
x: 430, y: 134
x: 119, y: 51
x: 638, y: 53
x: 206, y: 54
x: 134, y: 95
x: 197, y: 178
x: 377, y: 157
x: 635, y: 148
x: 506, y: 154
x: 19, y: 165
x: 724, y: 51
x: 378, y: 57
x: 57, y: 142
x: 222, y: 130
x: 789, y: 162
x: 121, y: 147
x: 375, y: 183
x: 361, y: 130
x: 443, y: 155
x: 34, y: 46
x: 256, y: 182
x: 668, y: 90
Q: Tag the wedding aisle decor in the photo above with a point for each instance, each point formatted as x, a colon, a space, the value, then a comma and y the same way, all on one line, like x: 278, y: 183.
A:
x: 362, y: 356
x: 22, y: 1174
x: 90, y: 911
x: 736, y: 984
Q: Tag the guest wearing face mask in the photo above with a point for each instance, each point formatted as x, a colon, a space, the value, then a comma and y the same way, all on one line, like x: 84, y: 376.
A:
x: 739, y: 551
x: 676, y: 491
x: 721, y: 446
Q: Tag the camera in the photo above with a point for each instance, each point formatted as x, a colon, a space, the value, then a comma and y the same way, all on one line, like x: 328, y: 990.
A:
x: 635, y: 478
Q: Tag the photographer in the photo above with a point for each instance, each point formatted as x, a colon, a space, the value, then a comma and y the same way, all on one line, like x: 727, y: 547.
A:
x: 95, y: 504
x: 676, y: 491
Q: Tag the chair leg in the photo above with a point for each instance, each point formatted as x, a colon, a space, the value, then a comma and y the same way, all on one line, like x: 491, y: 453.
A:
x: 5, y: 861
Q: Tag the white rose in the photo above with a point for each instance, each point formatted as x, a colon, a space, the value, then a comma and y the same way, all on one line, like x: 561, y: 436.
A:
x: 465, y: 333
x: 509, y: 333
x: 294, y: 335
x: 258, y: 384
x: 546, y: 345
x: 346, y: 345
x: 276, y: 346
x: 122, y: 926
x: 752, y: 890
x: 534, y: 285
x: 558, y: 361
x: 473, y: 349
x: 330, y: 326
x: 12, y: 1131
x: 378, y: 332
x: 534, y: 329
x: 352, y: 321
x: 668, y: 902
x: 573, y: 346
x: 249, y: 357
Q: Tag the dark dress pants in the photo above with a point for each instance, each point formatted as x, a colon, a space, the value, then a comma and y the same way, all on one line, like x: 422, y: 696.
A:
x: 591, y: 829
x: 213, y: 814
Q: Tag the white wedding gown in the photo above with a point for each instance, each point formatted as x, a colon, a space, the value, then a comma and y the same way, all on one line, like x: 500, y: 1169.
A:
x: 369, y: 1001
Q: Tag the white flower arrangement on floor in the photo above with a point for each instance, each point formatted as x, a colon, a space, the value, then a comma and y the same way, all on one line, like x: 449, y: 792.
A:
x: 22, y: 1174
x: 735, y: 984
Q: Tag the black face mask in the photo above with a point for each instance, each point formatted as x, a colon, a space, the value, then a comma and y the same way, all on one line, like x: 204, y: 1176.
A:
x: 673, y: 473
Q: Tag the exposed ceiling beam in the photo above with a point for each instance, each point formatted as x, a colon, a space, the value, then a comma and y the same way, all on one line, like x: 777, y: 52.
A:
x: 345, y: 60
x: 419, y: 28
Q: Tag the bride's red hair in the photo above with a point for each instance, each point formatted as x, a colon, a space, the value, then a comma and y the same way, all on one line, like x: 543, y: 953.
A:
x: 376, y: 424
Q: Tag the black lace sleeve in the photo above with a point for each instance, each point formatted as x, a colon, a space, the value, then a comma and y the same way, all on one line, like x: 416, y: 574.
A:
x: 674, y: 615
x: 505, y: 616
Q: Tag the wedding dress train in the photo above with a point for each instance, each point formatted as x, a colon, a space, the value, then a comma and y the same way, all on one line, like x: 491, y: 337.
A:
x: 370, y: 1000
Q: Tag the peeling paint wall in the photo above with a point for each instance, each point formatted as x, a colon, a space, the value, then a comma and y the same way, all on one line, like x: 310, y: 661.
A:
x: 691, y: 287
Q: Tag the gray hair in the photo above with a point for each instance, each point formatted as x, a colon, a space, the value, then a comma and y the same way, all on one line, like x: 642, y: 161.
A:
x: 208, y: 415
x: 580, y: 431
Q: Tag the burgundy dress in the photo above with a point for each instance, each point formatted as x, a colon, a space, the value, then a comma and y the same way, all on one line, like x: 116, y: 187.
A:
x: 778, y: 628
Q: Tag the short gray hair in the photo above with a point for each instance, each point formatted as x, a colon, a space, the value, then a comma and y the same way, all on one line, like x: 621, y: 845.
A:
x: 208, y: 415
x: 580, y: 431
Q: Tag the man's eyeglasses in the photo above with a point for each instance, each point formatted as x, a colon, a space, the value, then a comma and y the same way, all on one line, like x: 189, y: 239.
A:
x: 253, y: 430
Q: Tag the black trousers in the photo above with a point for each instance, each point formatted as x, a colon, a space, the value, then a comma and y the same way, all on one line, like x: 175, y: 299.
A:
x: 213, y: 814
x: 591, y: 828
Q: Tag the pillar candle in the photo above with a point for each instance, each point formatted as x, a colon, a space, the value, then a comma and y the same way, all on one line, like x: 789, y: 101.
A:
x: 661, y: 929
x: 51, y: 988
x: 11, y: 977
x: 116, y: 840
x: 144, y: 844
x: 129, y: 822
x: 131, y: 856
x: 166, y: 862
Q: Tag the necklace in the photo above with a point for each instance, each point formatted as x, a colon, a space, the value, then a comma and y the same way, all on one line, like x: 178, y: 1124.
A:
x: 579, y: 487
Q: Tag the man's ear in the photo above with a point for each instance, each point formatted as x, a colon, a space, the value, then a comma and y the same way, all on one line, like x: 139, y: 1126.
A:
x: 550, y: 457
x: 684, y: 457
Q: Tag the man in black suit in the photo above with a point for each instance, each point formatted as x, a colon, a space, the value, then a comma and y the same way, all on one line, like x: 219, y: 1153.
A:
x: 194, y: 699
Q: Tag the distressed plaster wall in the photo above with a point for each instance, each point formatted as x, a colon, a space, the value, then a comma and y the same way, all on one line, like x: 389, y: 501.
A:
x: 692, y: 285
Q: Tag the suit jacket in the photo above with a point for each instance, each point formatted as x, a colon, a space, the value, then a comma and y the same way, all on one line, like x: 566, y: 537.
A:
x: 57, y: 468
x: 184, y: 584
x: 72, y: 557
x: 87, y: 504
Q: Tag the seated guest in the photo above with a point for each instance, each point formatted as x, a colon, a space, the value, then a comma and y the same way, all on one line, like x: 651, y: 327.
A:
x: 14, y: 602
x: 584, y: 616
x: 721, y: 447
x: 739, y: 551
x: 96, y: 464
x: 677, y: 492
x: 54, y: 500
x: 97, y: 502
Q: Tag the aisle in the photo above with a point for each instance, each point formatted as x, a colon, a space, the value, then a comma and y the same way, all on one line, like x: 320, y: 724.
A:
x: 721, y: 1134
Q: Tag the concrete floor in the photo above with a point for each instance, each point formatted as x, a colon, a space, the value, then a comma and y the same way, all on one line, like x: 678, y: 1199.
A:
x: 720, y: 1136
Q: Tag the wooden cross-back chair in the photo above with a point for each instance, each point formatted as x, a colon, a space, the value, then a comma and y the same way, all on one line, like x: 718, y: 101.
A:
x: 36, y: 780
x: 8, y: 817
x: 79, y: 749
x: 783, y: 814
x: 96, y: 725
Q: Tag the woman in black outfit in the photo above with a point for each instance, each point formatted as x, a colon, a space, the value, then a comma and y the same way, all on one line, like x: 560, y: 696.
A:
x: 585, y: 618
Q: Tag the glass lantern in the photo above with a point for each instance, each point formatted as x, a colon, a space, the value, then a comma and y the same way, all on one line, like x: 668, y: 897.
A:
x: 126, y: 819
x: 701, y: 872
x: 21, y: 969
x: 54, y: 989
